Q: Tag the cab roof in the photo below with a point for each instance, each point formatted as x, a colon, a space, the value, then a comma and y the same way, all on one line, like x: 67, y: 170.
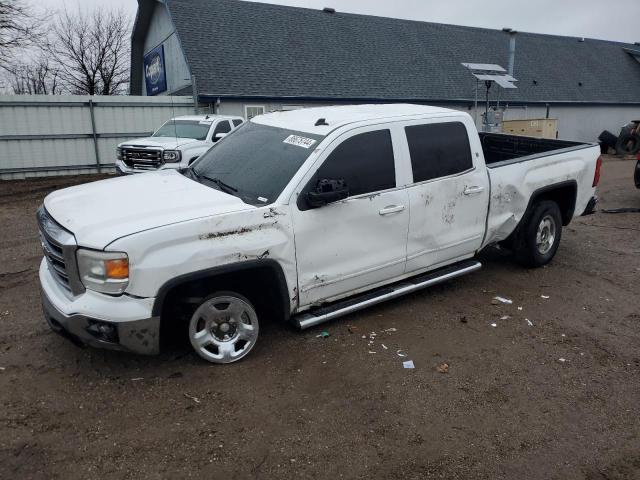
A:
x: 210, y: 117
x: 323, y: 120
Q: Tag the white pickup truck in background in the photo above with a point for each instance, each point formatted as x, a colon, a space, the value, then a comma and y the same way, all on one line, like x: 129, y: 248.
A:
x: 176, y: 144
x: 305, y: 216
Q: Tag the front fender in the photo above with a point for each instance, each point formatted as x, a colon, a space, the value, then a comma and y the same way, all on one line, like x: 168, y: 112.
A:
x: 162, y: 254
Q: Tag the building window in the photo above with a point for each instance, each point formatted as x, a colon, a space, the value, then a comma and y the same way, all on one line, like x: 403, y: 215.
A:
x: 251, y: 111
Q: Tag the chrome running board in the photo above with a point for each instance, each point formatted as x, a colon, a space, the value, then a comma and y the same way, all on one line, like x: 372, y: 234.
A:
x: 368, y: 299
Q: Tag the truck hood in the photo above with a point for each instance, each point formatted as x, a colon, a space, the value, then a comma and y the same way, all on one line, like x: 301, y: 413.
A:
x: 167, y: 143
x: 100, y: 212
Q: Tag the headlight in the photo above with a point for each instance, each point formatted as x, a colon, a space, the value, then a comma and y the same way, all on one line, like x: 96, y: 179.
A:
x: 119, y: 153
x: 171, y: 156
x: 106, y: 272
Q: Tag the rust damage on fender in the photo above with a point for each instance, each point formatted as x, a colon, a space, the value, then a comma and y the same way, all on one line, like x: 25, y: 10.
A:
x: 212, y: 235
x: 237, y: 231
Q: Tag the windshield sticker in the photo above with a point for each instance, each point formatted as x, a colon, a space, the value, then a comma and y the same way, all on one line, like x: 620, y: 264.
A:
x: 263, y: 200
x: 300, y: 141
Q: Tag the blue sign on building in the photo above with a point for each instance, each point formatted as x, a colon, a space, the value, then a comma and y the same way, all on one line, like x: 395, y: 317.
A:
x: 155, y: 75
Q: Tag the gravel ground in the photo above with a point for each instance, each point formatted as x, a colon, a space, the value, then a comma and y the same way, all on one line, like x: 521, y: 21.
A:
x: 557, y: 399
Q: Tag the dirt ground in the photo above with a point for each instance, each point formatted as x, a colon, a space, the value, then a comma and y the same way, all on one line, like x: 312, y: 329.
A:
x: 555, y: 399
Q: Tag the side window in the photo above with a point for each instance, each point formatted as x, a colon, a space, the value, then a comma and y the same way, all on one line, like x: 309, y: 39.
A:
x: 365, y: 162
x: 237, y: 123
x: 222, y: 127
x: 438, y: 150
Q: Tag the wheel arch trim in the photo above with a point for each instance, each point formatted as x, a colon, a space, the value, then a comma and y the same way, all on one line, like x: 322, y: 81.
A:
x: 535, y: 196
x: 209, y: 273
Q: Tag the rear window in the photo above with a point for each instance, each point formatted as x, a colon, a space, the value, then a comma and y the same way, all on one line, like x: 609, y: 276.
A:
x: 438, y: 150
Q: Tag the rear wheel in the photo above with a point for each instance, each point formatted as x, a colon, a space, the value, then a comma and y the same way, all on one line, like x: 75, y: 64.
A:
x: 224, y: 328
x: 538, y: 240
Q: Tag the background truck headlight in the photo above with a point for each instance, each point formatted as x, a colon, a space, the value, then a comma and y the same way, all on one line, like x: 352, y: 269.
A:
x: 105, y: 272
x: 171, y: 156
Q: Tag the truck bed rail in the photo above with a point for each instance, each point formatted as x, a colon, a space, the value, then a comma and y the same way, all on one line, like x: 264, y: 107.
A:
x: 501, y: 149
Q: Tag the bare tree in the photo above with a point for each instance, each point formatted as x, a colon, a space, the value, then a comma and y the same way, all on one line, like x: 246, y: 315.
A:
x: 92, y: 51
x: 37, y: 77
x: 20, y: 28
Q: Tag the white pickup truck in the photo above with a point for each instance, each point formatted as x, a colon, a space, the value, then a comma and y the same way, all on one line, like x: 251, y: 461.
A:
x: 176, y: 144
x: 302, y: 216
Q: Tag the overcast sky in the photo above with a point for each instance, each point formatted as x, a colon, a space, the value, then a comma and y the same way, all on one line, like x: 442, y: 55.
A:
x: 611, y: 20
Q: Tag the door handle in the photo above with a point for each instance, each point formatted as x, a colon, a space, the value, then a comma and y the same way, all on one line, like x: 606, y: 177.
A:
x: 475, y: 190
x: 388, y: 210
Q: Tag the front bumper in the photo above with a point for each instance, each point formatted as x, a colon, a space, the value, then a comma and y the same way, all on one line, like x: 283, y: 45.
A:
x: 76, y: 318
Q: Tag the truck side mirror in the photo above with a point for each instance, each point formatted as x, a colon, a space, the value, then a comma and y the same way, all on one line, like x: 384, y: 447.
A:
x: 327, y: 191
x: 219, y: 136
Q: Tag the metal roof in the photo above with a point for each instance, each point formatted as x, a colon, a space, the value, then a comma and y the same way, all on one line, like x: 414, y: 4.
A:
x: 244, y: 49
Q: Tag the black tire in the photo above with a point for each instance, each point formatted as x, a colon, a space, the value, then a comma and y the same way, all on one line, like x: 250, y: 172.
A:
x: 528, y: 251
x: 628, y: 144
x: 608, y: 139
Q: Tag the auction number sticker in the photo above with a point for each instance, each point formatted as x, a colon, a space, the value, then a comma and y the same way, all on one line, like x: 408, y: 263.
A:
x: 300, y: 141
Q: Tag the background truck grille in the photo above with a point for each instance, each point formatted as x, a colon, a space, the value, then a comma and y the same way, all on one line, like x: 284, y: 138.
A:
x: 59, y: 247
x: 142, y: 158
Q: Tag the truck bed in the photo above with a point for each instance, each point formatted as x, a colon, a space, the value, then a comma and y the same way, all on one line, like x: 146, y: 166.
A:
x: 518, y: 167
x: 501, y: 149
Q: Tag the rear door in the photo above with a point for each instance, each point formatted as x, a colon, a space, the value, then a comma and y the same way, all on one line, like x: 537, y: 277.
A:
x: 449, y: 195
x: 352, y: 244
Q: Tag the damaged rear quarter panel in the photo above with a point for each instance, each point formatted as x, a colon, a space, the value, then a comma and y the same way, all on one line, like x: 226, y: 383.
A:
x: 159, y: 255
x: 513, y: 185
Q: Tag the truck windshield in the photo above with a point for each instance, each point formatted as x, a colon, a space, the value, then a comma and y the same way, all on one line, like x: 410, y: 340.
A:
x: 184, y: 129
x: 255, y: 162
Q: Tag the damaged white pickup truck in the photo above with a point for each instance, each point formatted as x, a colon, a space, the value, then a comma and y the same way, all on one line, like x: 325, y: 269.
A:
x: 302, y: 216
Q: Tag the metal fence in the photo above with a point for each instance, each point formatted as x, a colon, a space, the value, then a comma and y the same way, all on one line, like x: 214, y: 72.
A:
x: 43, y: 135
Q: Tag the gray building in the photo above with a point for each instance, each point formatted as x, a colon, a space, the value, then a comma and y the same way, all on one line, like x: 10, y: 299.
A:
x: 249, y: 58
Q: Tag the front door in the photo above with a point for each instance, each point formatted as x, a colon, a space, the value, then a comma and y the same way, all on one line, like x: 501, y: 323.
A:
x: 350, y: 245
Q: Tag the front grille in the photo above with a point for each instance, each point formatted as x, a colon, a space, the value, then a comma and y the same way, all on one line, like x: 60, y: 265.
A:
x: 142, y: 158
x: 59, y: 248
x: 55, y: 256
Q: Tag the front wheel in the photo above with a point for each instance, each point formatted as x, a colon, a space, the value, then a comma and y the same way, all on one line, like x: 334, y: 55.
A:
x: 539, y: 238
x: 224, y: 328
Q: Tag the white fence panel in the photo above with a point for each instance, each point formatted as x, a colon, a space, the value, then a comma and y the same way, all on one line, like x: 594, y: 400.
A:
x: 42, y: 135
